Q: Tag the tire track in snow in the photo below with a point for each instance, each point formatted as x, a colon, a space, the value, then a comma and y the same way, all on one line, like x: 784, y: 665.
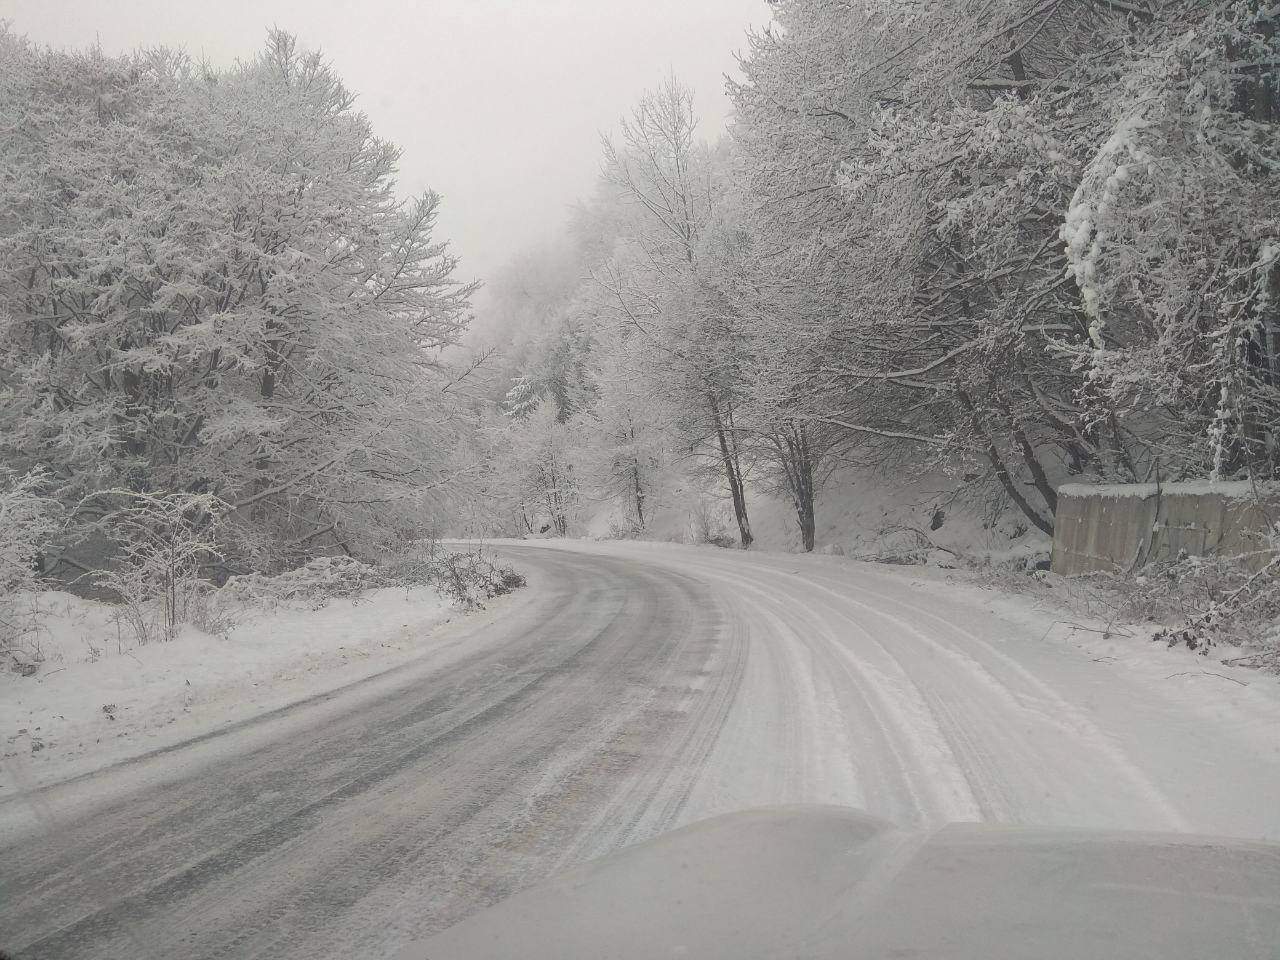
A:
x: 1061, y: 713
x: 964, y: 720
x: 915, y: 771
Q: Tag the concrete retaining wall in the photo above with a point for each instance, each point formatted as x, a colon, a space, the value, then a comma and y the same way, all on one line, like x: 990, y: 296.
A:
x: 1117, y: 528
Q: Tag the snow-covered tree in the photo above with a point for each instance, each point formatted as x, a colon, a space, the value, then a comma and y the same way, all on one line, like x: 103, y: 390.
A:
x: 954, y: 164
x: 29, y: 519
x: 542, y: 464
x: 209, y: 286
x: 1172, y: 240
x: 628, y: 430
x: 779, y: 302
x: 1024, y: 240
x: 668, y: 177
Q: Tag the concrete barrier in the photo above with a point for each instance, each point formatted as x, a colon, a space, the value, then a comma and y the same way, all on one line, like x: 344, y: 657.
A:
x: 1118, y: 528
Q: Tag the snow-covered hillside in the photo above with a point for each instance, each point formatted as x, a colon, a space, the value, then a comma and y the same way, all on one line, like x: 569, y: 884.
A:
x: 859, y: 512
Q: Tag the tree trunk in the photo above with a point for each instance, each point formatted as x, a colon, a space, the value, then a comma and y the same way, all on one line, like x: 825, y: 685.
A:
x: 1038, y: 477
x: 554, y: 500
x: 797, y: 468
x: 1001, y: 471
x: 732, y: 473
x: 805, y: 516
x: 637, y: 491
x: 267, y: 390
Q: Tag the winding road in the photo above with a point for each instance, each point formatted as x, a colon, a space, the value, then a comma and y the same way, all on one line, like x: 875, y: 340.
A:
x: 630, y: 689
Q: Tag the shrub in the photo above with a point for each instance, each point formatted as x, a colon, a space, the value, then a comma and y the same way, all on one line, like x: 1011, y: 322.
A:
x: 707, y: 524
x: 164, y: 540
x: 27, y: 521
x: 468, y: 578
x: 1230, y: 603
x: 312, y: 585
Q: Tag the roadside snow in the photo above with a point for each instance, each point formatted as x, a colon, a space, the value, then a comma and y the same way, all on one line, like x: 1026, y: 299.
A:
x: 99, y: 698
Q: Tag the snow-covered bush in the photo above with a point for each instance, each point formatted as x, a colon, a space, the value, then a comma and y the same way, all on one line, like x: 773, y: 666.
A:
x: 902, y: 544
x: 165, y: 541
x: 310, y: 586
x: 1198, y: 602
x: 468, y: 578
x: 625, y: 529
x: 28, y: 518
x: 1221, y: 600
x: 707, y: 523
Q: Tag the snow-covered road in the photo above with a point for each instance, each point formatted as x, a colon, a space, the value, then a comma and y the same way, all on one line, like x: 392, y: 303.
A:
x: 632, y: 688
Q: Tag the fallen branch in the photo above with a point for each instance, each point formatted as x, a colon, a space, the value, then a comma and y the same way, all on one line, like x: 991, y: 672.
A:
x: 1189, y: 673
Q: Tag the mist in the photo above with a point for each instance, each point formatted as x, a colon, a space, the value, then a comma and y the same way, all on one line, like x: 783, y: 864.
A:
x: 498, y: 106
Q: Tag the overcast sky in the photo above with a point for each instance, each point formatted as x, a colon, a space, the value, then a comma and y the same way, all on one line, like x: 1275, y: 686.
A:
x: 497, y: 103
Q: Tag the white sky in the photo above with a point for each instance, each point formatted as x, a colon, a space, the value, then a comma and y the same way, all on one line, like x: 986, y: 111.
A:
x: 498, y: 104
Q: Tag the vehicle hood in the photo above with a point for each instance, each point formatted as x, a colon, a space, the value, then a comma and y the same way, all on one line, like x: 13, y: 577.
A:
x: 827, y: 882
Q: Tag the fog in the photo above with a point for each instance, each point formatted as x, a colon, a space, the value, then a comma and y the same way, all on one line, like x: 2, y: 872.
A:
x: 498, y: 104
x: 915, y: 448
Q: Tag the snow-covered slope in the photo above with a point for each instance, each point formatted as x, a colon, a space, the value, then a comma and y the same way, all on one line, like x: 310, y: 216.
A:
x: 859, y: 512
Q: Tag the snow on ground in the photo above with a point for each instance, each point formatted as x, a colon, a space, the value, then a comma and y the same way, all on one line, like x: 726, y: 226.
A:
x: 632, y: 688
x: 100, y: 698
x: 865, y: 514
x: 916, y: 522
x: 923, y: 696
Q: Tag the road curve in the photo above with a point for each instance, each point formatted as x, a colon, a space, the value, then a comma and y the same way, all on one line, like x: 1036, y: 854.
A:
x: 585, y: 711
x: 630, y: 689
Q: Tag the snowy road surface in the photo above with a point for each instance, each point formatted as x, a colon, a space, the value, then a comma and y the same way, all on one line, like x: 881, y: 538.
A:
x: 631, y: 689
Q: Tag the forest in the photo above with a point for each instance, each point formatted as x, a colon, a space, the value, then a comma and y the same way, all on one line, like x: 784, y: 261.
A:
x: 220, y: 327
x: 1017, y: 241
x: 1023, y: 242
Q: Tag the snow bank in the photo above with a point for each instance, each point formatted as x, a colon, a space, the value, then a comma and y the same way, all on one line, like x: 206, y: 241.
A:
x: 99, y: 698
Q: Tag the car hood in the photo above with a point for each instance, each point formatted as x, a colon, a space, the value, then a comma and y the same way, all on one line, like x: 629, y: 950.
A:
x: 827, y: 882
